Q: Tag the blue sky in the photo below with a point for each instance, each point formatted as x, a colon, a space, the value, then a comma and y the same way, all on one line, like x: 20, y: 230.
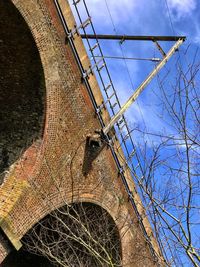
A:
x: 152, y: 17
x: 147, y: 17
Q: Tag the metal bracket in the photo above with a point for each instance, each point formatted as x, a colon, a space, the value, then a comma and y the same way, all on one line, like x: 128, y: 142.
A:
x: 142, y: 86
x: 121, y: 170
x: 122, y: 40
x: 103, y: 105
x: 160, y: 48
x: 87, y: 73
x: 76, y: 2
x: 76, y: 29
x: 91, y: 68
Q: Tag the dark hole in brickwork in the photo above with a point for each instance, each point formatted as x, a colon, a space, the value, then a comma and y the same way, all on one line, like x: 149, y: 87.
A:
x: 22, y: 87
x: 5, y: 242
x: 23, y: 258
x: 65, y: 231
x: 94, y: 144
x: 93, y: 147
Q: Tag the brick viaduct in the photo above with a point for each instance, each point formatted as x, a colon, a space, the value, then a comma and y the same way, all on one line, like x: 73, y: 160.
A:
x: 46, y: 116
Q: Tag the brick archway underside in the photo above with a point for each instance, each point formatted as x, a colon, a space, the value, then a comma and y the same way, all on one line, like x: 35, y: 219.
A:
x: 69, y: 228
x: 49, y: 174
x: 22, y: 85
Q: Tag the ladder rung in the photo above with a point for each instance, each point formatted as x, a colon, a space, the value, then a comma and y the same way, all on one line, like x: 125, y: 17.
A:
x: 95, y: 46
x: 90, y: 69
x: 86, y: 23
x: 126, y: 137
x: 114, y: 105
x: 76, y: 29
x: 131, y: 154
x: 106, y: 89
x: 102, y: 66
x: 96, y: 64
x: 105, y: 102
x: 76, y: 2
x: 137, y: 166
x: 110, y: 97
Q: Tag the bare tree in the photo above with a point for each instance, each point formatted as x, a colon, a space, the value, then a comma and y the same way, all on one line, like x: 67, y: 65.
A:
x: 78, y: 235
x: 168, y: 179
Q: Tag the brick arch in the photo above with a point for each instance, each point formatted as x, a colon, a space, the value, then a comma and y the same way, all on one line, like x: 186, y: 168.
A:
x: 47, y: 35
x: 57, y: 162
x: 40, y: 25
x: 102, y: 224
x: 22, y: 87
x: 89, y: 203
x: 117, y: 211
x: 63, y: 198
x: 15, y: 182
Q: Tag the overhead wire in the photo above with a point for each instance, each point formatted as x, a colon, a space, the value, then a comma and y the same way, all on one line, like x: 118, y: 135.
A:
x: 132, y: 86
x: 126, y: 65
x: 131, y: 81
x: 171, y: 23
x: 169, y: 15
x: 138, y: 156
x: 159, y: 81
x: 123, y: 56
x: 142, y: 226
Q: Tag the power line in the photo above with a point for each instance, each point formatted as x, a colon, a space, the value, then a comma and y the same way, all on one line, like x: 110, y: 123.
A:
x: 129, y: 75
x: 169, y: 15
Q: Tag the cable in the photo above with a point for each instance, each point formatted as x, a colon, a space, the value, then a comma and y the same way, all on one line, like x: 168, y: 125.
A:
x: 171, y: 23
x: 131, y: 81
x: 137, y: 156
x: 123, y: 55
x: 169, y: 15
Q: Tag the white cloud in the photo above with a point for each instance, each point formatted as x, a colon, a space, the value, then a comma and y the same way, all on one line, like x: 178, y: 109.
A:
x: 139, y: 17
x: 125, y: 13
x: 118, y: 9
x: 196, y: 37
x: 182, y: 8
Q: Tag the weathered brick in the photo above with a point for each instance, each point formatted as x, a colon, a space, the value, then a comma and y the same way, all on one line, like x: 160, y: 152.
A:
x: 52, y: 166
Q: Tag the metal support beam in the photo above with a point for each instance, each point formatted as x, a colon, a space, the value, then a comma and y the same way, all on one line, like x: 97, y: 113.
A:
x: 153, y: 59
x: 77, y: 28
x: 160, y: 49
x: 139, y: 90
x: 131, y: 37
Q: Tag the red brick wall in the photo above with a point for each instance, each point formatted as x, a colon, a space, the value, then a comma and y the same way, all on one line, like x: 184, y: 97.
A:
x: 52, y: 167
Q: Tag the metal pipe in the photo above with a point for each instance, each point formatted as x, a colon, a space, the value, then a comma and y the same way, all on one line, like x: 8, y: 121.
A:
x: 139, y: 90
x: 154, y: 59
x: 131, y: 37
